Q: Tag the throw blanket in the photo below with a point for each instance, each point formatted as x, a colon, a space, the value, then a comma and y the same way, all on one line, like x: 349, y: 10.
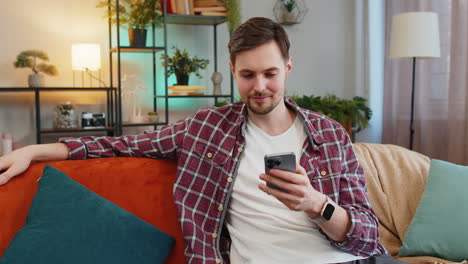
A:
x: 395, y: 181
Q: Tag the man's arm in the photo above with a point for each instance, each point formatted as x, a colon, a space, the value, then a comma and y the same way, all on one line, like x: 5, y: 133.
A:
x: 162, y: 143
x: 16, y: 162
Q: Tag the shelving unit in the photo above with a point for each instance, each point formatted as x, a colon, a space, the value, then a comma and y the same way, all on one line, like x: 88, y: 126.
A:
x: 118, y: 50
x: 110, y: 93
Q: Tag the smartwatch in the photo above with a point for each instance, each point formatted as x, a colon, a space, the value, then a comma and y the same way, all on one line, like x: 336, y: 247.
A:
x: 327, y: 212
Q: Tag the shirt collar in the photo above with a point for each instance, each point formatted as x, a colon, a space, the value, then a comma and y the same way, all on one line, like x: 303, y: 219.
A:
x: 311, y: 131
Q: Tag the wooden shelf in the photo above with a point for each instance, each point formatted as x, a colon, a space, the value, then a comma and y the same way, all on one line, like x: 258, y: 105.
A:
x: 74, y: 130
x: 192, y: 96
x: 194, y: 19
x: 32, y: 89
x: 129, y: 49
x: 143, y: 124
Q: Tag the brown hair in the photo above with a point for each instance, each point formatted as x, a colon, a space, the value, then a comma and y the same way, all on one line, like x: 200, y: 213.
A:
x: 256, y: 32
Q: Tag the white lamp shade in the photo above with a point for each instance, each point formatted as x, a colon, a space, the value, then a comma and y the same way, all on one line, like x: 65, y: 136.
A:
x: 415, y: 34
x: 86, y: 56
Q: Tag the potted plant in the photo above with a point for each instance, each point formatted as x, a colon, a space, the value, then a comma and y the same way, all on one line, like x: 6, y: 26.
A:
x: 182, y: 65
x: 288, y: 15
x: 153, y: 117
x: 233, y: 16
x: 353, y: 114
x: 137, y: 15
x: 30, y: 59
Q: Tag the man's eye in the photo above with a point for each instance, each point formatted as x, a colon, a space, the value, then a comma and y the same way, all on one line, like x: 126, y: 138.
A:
x: 247, y: 76
x: 270, y: 75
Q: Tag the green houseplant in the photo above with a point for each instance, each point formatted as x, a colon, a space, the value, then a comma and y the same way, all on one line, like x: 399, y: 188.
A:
x: 137, y: 15
x: 182, y: 65
x: 31, y: 59
x: 353, y: 114
x: 233, y: 14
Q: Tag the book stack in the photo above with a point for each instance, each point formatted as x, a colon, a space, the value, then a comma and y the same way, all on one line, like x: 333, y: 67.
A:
x: 182, y: 7
x: 209, y: 8
x: 195, y: 7
x: 185, y: 90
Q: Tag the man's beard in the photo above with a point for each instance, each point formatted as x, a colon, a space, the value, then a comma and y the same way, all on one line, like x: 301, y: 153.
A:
x: 261, y: 109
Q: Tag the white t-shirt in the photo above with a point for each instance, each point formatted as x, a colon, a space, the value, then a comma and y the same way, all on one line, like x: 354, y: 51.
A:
x: 262, y: 229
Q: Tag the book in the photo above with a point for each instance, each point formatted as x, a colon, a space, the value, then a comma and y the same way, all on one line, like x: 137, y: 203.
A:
x: 169, y: 6
x: 181, y: 7
x: 212, y: 13
x: 173, y: 5
x: 192, y: 12
x: 210, y: 9
x: 204, y: 3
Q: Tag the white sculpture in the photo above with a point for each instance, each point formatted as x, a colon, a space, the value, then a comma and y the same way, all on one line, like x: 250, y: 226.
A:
x: 216, y: 78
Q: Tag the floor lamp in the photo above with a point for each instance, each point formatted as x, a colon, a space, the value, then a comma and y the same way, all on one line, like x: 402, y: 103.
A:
x: 415, y: 35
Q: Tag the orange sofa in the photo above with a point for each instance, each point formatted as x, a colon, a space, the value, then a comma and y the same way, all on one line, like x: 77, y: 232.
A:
x: 141, y: 186
x: 395, y: 178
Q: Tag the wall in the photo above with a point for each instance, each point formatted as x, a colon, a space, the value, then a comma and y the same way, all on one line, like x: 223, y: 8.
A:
x: 322, y: 50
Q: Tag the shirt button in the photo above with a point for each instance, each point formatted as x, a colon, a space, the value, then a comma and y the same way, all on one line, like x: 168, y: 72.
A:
x: 240, y: 149
x: 220, y: 208
x: 229, y: 179
x: 323, y: 173
x: 218, y: 260
x: 209, y: 155
x: 214, y: 235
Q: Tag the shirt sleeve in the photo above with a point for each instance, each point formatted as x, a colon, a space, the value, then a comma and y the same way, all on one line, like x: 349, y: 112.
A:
x: 162, y: 143
x: 362, y: 238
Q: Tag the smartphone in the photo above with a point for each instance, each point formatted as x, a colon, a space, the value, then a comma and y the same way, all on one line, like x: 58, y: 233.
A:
x: 282, y: 161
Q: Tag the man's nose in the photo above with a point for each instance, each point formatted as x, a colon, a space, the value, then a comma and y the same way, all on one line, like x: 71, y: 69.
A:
x: 259, y: 84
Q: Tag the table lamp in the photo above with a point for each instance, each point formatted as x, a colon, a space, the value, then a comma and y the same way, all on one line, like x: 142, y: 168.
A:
x: 86, y: 57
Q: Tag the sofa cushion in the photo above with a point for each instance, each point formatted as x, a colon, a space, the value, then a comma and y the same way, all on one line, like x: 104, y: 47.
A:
x: 141, y: 186
x: 67, y: 223
x: 439, y: 227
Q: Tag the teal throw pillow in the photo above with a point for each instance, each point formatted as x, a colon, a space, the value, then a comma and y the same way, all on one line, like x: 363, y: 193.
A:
x: 67, y: 223
x: 440, y: 225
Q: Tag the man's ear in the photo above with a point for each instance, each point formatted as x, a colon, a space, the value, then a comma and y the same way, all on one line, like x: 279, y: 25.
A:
x: 288, y: 65
x: 231, y: 66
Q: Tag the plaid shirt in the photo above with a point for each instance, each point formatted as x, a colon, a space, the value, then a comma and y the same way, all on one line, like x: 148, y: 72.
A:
x: 208, y: 147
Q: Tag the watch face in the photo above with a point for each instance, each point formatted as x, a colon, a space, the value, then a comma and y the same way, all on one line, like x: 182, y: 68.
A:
x: 328, y: 212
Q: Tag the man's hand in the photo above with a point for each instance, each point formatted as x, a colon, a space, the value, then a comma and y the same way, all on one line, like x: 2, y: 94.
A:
x: 299, y: 195
x: 16, y: 162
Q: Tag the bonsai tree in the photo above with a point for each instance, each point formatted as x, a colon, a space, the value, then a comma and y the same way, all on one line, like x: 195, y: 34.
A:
x: 31, y: 59
x: 182, y: 65
x: 353, y: 114
x: 134, y: 13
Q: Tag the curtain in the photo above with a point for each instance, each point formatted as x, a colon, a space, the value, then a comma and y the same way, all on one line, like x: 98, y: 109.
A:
x: 441, y: 103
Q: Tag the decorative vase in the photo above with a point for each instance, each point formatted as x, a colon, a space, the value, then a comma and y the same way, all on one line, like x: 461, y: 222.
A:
x: 137, y: 37
x: 182, y: 78
x: 216, y: 78
x: 153, y: 118
x: 65, y: 116
x: 36, y: 80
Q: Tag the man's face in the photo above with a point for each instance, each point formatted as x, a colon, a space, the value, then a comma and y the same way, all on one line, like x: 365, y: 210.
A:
x: 260, y: 74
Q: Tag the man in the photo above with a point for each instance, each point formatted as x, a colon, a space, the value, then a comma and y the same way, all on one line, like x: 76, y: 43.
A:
x: 227, y: 212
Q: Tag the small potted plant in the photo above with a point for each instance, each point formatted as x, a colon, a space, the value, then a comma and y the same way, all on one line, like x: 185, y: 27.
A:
x: 289, y: 12
x: 153, y: 117
x: 182, y: 65
x: 137, y: 15
x: 30, y: 59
